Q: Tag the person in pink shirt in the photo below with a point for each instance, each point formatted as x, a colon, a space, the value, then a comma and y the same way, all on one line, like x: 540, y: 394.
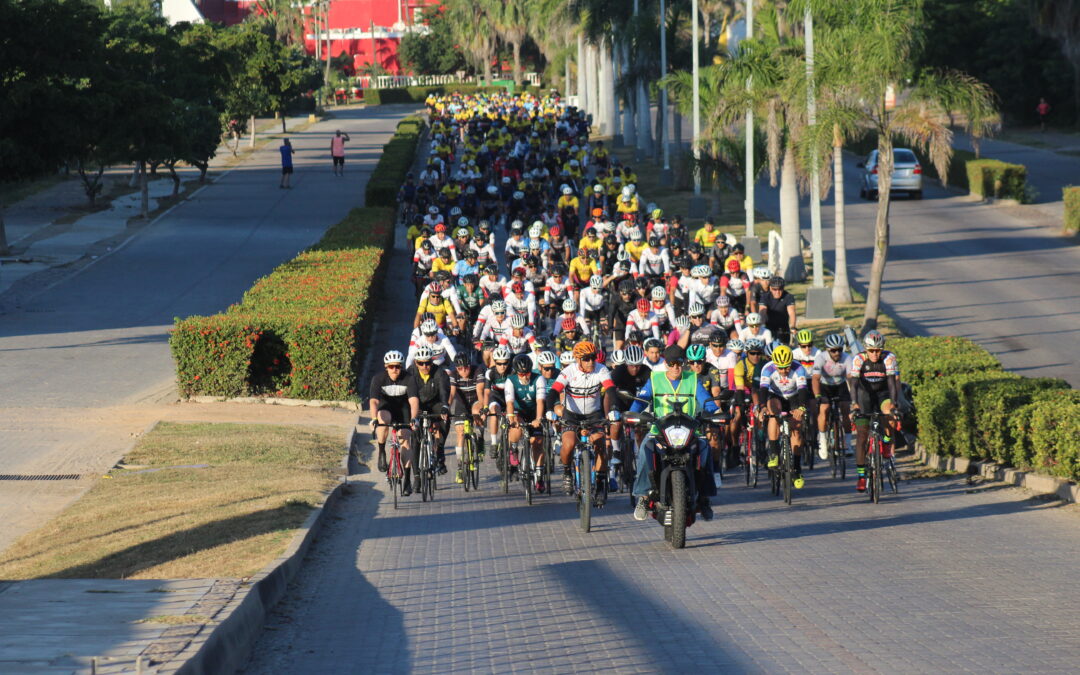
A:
x: 337, y: 152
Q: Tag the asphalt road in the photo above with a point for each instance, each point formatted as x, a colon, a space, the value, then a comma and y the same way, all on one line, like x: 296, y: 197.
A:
x: 1000, y: 275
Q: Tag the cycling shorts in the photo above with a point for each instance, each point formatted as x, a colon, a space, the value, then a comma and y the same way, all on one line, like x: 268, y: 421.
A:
x: 837, y: 391
x: 399, y: 414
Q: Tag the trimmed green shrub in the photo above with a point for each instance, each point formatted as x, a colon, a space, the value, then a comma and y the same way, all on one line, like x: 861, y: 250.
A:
x: 213, y: 353
x: 943, y: 414
x: 923, y: 359
x: 1071, y: 195
x: 957, y: 176
x: 397, y: 158
x: 990, y: 430
x: 997, y: 179
x: 1055, y: 436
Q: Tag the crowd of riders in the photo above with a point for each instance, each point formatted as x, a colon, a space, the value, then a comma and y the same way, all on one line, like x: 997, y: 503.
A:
x: 550, y: 291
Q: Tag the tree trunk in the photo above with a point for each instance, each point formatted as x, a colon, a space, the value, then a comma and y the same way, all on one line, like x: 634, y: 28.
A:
x: 791, y: 261
x: 566, y: 78
x: 236, y: 143
x: 91, y: 185
x: 175, y: 179
x: 144, y: 190
x: 676, y: 123
x: 251, y: 139
x: 658, y: 146
x: 644, y: 120
x: 592, y: 81
x: 629, y: 132
x: 706, y: 21
x: 881, y: 233
x: 4, y: 250
x: 841, y: 292
x: 202, y: 166
x: 282, y: 113
x: 517, y: 63
x: 611, y: 58
x: 582, y: 80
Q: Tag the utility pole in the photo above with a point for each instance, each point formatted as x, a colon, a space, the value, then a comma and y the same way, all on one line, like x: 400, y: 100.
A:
x: 697, y: 101
x: 749, y: 203
x: 665, y: 175
x: 819, y: 303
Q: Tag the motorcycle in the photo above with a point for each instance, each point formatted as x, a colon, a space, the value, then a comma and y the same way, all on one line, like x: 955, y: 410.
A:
x: 675, y: 504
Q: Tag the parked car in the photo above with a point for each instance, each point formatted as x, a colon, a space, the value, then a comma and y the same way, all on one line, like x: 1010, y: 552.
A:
x: 906, y: 174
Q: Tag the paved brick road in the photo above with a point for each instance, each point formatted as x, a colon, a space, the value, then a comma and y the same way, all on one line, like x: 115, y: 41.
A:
x: 945, y: 578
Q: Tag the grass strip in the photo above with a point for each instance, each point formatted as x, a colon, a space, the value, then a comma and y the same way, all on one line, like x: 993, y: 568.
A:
x: 228, y: 520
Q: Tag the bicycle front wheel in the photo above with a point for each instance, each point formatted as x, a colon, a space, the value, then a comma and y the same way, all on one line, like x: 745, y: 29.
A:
x: 788, y: 469
x: 585, y: 481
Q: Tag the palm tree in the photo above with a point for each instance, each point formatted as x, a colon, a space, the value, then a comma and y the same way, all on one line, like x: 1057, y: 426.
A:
x: 710, y: 10
x: 509, y: 18
x: 283, y: 20
x: 473, y: 28
x: 1060, y: 20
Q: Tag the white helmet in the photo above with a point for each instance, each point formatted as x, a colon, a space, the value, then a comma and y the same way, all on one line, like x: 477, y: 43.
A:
x: 598, y: 188
x: 536, y: 229
x: 682, y: 323
x: 393, y: 356
x: 632, y: 188
x: 462, y: 231
x: 517, y: 321
x: 422, y: 354
x: 517, y: 225
x: 616, y: 358
x: 701, y: 271
x: 636, y: 235
x: 568, y: 305
x: 429, y: 327
x: 729, y: 239
x: 761, y: 272
x: 498, y: 307
x: 626, y: 191
x: 658, y: 293
x: 596, y: 282
x: 501, y: 353
x: 567, y: 190
x: 546, y: 358
x: 633, y: 355
x: 566, y: 358
x: 735, y: 345
x: 696, y: 309
x: 753, y: 319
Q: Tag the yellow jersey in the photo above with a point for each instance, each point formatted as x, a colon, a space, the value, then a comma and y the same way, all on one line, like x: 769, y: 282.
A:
x: 706, y: 238
x: 634, y: 249
x: 443, y: 311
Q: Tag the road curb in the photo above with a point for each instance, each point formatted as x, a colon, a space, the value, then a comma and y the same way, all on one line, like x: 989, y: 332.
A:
x: 225, y: 646
x: 1048, y: 485
x: 288, y: 402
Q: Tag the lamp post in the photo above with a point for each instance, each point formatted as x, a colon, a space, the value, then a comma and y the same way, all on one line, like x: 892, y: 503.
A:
x: 819, y: 304
x: 697, y: 100
x: 665, y: 175
x: 749, y: 202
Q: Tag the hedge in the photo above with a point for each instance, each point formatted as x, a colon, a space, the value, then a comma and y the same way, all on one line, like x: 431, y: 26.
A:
x: 1071, y: 195
x: 997, y: 179
x: 967, y: 406
x: 420, y: 94
x: 397, y: 158
x: 297, y: 331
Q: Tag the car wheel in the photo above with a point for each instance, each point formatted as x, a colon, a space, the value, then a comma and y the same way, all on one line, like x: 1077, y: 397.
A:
x: 916, y: 194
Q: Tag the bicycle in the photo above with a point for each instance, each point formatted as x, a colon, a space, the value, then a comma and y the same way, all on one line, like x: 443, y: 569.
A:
x: 589, y: 492
x: 501, y: 451
x: 878, y: 466
x: 395, y: 470
x: 522, y: 450
x: 624, y: 461
x: 544, y: 471
x: 429, y: 463
x: 783, y: 476
x: 469, y: 461
x: 749, y: 446
x: 834, y: 433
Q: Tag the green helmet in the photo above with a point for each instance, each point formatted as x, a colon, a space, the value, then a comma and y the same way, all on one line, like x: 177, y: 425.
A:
x: 804, y: 337
x: 695, y: 353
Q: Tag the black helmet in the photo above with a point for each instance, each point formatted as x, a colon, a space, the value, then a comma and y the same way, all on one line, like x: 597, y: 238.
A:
x: 491, y: 268
x: 654, y: 241
x: 675, y: 243
x: 641, y: 283
x: 522, y: 364
x: 611, y: 239
x: 532, y: 261
x: 776, y: 282
x: 462, y: 361
x: 470, y: 279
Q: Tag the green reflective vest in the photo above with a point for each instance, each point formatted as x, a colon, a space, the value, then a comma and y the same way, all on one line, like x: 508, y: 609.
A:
x: 662, y: 392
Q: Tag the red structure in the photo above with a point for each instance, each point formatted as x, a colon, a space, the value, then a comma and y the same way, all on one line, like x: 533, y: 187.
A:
x: 367, y: 30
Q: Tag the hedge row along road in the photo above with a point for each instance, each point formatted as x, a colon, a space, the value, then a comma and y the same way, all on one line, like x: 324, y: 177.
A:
x: 98, y: 340
x: 1000, y: 275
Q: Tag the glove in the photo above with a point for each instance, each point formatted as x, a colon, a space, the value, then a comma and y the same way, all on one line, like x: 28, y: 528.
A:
x: 614, y: 416
x: 550, y: 416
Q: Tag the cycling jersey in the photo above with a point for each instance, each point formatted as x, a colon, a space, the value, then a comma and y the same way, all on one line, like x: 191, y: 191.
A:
x: 590, y: 300
x: 432, y: 390
x: 556, y: 290
x: 443, y: 310
x: 725, y: 360
x: 392, y: 394
x: 831, y: 372
x: 706, y: 238
x: 647, y: 323
x: 763, y: 334
x: 625, y: 230
x: 442, y: 349
x: 524, y: 395
x: 726, y: 321
x: 654, y: 264
x: 493, y: 288
x: 584, y: 391
x: 874, y: 376
x: 522, y: 306
x: 496, y: 330
x: 466, y: 387
x: 495, y: 383
x: 806, y: 358
x: 470, y: 302
x: 519, y: 344
x: 635, y: 249
x: 785, y: 386
x: 582, y: 269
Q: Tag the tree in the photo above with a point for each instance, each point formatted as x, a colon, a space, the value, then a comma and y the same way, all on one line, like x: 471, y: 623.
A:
x: 283, y: 20
x: 434, y: 52
x: 472, y: 26
x: 510, y: 20
x: 1060, y: 19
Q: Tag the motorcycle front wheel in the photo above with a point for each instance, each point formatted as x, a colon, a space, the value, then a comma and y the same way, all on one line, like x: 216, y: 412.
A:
x: 678, y: 509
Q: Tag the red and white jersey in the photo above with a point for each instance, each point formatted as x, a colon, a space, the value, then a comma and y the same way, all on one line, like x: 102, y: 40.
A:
x: 424, y: 259
x: 443, y: 242
x: 485, y: 253
x: 493, y: 288
x: 524, y: 306
x: 729, y: 320
x: 647, y: 323
x: 664, y: 313
x: 583, y: 392
x: 590, y: 300
x: 556, y: 290
x: 495, y: 329
x: 519, y: 344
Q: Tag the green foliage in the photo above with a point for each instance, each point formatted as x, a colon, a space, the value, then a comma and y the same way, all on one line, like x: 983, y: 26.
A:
x: 925, y: 359
x: 296, y: 331
x: 957, y: 176
x: 434, y: 53
x: 989, y: 426
x: 1054, y: 429
x: 397, y: 158
x: 1071, y: 195
x: 997, y: 179
x: 420, y: 94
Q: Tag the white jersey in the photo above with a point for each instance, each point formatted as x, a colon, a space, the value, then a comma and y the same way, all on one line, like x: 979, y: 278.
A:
x: 724, y: 361
x: 704, y: 291
x: 519, y: 344
x: 583, y: 392
x: 524, y: 306
x: 493, y: 288
x: 495, y: 329
x: 445, y: 242
x: 764, y: 335
x: 831, y: 372
x: 555, y: 290
x: 590, y: 300
x: 484, y: 254
x: 658, y: 367
x: 442, y: 350
x: 654, y: 264
x: 726, y: 321
x: 806, y: 358
x: 786, y: 386
x: 646, y: 323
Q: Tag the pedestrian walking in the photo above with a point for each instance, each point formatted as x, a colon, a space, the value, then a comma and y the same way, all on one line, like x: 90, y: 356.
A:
x: 1043, y: 109
x: 287, y: 151
x: 337, y: 152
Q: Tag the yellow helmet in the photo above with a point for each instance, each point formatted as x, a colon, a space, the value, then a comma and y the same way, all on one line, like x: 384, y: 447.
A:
x: 782, y: 357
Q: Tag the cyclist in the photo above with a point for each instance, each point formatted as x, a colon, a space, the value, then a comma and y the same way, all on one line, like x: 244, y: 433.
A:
x: 521, y: 338
x: 430, y: 338
x: 493, y: 328
x: 829, y: 380
x: 779, y: 306
x: 491, y: 283
x: 706, y: 236
x: 714, y: 381
x: 619, y: 310
x: 642, y: 319
x: 433, y: 392
x: 663, y: 389
x: 874, y: 382
x: 472, y: 300
x: 592, y: 303
x: 805, y: 354
x: 494, y: 391
x: 587, y: 396
x: 654, y: 359
x: 725, y: 317
x: 699, y: 332
x: 524, y: 392
x: 753, y: 330
x: 393, y: 399
x: 783, y: 388
x: 466, y: 393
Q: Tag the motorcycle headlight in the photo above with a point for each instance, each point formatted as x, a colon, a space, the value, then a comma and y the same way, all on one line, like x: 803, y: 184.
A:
x: 677, y: 437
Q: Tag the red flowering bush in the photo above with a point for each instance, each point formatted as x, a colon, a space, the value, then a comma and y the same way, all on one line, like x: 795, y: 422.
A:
x: 213, y: 353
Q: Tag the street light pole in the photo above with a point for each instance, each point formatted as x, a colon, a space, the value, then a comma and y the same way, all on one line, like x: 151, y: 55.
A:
x: 749, y: 202
x: 815, y: 177
x: 665, y: 176
x: 697, y: 100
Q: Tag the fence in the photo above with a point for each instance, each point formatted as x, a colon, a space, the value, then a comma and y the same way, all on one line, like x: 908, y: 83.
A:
x: 397, y: 81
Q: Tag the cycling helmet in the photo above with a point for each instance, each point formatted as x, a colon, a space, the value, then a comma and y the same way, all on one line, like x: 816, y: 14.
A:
x: 444, y: 252
x: 696, y: 309
x: 440, y: 227
x: 484, y: 226
x: 568, y: 324
x: 443, y: 275
x: 517, y: 225
x: 653, y: 343
x: 519, y: 195
x: 682, y: 323
x: 769, y: 348
x: 471, y: 254
x: 423, y: 354
x: 598, y: 189
x: 761, y: 272
x: 834, y: 341
x: 633, y: 355
x: 583, y: 349
x: 611, y: 240
x: 533, y: 261
x: 755, y: 345
x: 657, y: 214
x: 733, y: 266
x: 536, y: 229
x: 522, y: 364
x: 635, y: 235
x: 517, y: 321
x: 701, y: 271
x: 643, y: 306
x: 501, y: 353
x: 427, y: 316
x: 753, y: 319
x: 393, y: 356
x: 804, y: 337
x: 498, y: 307
x: 463, y: 223
x: 635, y: 337
x: 626, y: 286
x: 776, y: 282
x: 874, y: 340
x: 781, y: 356
x: 566, y: 358
x: 658, y: 293
x: 567, y: 190
x: 429, y: 327
x: 433, y: 209
x: 723, y: 301
x: 616, y: 358
x: 641, y: 283
x: 427, y: 245
x: 735, y: 345
x: 546, y: 358
x: 654, y: 241
x: 517, y: 287
x: 462, y: 361
x: 568, y: 305
x: 622, y: 255
x: 695, y: 353
x: 596, y: 282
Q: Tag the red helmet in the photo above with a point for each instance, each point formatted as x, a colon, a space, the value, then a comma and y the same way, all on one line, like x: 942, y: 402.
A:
x: 440, y: 227
x: 733, y: 266
x: 555, y: 231
x: 517, y: 287
x: 569, y: 324
x: 643, y: 305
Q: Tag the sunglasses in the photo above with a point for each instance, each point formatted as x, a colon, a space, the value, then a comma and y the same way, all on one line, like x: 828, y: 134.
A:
x: 547, y: 367
x: 754, y: 353
x: 835, y: 351
x: 393, y: 366
x: 586, y: 358
x: 873, y: 351
x: 676, y: 362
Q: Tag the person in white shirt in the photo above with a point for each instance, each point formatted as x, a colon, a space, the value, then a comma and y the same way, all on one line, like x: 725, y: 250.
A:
x: 654, y: 260
x: 754, y: 330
